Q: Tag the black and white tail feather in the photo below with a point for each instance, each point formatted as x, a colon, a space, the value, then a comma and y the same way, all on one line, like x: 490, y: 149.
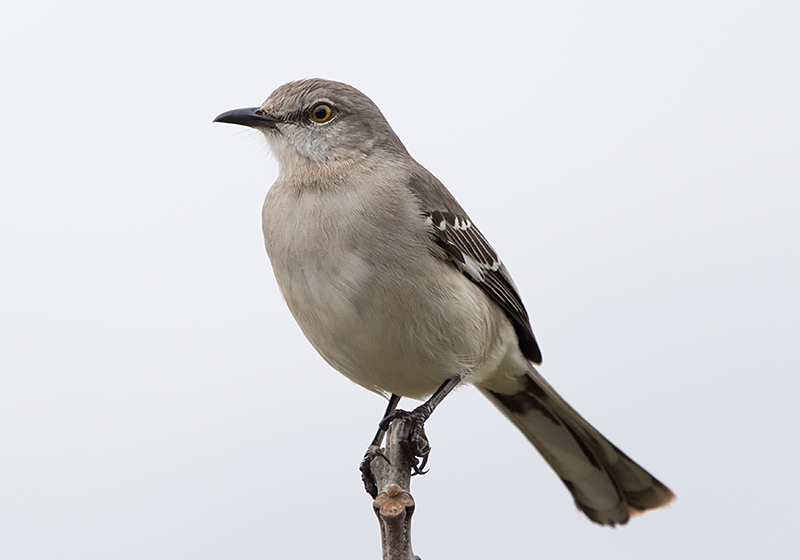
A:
x: 606, y: 484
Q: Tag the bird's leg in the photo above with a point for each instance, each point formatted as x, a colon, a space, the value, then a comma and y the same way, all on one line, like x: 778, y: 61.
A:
x: 374, y: 450
x: 414, y: 423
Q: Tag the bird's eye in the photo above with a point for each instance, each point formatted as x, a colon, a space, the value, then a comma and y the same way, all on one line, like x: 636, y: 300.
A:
x: 321, y: 112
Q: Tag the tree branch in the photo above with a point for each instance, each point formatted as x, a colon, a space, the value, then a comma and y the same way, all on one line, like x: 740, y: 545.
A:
x: 394, y: 505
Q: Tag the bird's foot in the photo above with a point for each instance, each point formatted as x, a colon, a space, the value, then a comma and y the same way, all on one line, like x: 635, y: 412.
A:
x: 410, y: 432
x: 412, y: 435
x: 367, y: 476
x: 411, y: 426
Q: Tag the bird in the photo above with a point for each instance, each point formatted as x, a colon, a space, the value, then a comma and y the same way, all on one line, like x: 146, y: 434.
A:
x: 397, y: 289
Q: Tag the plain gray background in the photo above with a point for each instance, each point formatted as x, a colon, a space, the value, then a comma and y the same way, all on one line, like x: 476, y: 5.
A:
x: 636, y: 165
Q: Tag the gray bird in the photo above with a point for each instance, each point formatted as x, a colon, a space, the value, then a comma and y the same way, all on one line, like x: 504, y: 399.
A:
x: 396, y: 288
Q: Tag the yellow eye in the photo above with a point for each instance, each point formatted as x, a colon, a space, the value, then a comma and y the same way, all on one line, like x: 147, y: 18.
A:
x: 321, y: 112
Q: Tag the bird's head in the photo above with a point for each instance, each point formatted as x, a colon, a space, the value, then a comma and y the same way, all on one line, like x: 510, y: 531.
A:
x: 318, y: 122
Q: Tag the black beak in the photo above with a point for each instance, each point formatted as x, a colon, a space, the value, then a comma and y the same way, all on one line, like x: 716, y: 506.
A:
x: 252, y: 116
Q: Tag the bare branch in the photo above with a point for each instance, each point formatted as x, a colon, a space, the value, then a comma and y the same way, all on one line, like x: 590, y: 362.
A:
x: 394, y: 505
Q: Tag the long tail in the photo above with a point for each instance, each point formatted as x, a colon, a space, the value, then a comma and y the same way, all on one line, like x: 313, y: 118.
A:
x: 607, y: 485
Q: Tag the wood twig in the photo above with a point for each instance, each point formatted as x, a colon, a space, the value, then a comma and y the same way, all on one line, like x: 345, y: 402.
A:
x: 394, y: 505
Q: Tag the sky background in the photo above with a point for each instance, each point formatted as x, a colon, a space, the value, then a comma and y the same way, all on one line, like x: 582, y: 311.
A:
x: 636, y: 165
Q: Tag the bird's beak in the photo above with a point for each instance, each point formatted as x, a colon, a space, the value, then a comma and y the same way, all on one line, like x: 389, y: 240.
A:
x: 252, y: 116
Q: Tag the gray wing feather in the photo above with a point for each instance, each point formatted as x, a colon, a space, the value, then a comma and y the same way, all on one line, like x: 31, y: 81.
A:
x: 466, y: 247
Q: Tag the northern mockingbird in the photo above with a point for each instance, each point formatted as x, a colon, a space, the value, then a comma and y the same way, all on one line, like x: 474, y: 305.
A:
x: 396, y: 288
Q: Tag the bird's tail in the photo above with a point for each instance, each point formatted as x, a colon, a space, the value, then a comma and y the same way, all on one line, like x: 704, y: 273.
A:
x: 607, y: 485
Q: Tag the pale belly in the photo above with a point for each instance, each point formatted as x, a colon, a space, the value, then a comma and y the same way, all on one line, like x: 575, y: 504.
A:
x: 359, y: 277
x: 403, y: 330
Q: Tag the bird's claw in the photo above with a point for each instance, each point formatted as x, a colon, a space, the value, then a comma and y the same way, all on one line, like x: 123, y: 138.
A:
x: 367, y: 476
x: 412, y: 435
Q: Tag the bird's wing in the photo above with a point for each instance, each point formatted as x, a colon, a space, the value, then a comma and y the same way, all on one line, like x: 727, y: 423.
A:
x: 466, y: 247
